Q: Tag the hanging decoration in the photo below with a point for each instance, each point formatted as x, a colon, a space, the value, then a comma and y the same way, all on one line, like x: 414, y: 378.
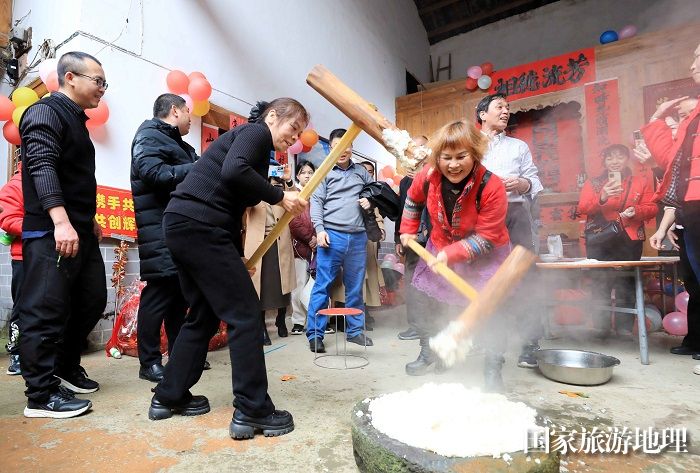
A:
x: 194, y: 88
x: 479, y: 77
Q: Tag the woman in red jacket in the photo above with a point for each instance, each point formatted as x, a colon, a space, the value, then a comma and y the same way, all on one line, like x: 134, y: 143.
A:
x: 627, y: 200
x: 12, y: 204
x: 304, y: 243
x: 467, y: 207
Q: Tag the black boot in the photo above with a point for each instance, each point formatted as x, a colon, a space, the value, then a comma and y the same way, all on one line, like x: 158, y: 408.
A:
x: 281, y: 325
x: 425, y: 359
x: 266, y: 337
x: 493, y: 382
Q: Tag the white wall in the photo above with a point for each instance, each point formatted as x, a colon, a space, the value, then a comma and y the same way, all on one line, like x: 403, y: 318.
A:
x: 249, y: 50
x: 556, y: 29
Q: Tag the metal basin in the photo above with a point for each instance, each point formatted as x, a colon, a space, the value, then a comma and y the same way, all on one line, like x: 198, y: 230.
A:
x: 579, y: 367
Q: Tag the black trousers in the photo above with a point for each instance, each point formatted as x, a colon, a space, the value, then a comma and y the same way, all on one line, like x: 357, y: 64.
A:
x: 161, y: 302
x: 61, y: 302
x: 218, y: 287
x: 16, y: 290
x: 690, y: 282
x: 519, y: 224
x: 620, y: 249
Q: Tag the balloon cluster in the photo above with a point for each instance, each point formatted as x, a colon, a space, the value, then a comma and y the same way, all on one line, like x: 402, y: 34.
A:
x: 12, y: 111
x: 479, y: 77
x: 610, y: 36
x: 388, y: 175
x: 390, y: 261
x: 306, y: 141
x: 194, y: 88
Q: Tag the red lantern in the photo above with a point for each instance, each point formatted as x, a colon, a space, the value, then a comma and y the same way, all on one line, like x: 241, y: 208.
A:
x: 11, y: 133
x: 487, y: 68
x: 308, y: 138
x: 199, y: 89
x: 99, y: 115
x: 6, y: 108
x: 177, y: 82
x: 471, y: 84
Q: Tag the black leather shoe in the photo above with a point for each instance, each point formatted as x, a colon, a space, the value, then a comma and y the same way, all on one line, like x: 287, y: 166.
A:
x: 198, y: 405
x: 362, y: 340
x: 696, y: 356
x: 683, y: 350
x: 316, y: 345
x: 244, y: 427
x: 153, y: 373
x: 266, y: 338
x: 409, y: 334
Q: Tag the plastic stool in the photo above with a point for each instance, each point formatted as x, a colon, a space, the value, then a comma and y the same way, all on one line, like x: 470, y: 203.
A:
x: 361, y: 360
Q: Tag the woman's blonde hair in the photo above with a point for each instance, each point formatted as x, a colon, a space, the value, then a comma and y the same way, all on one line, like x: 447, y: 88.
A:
x: 458, y: 135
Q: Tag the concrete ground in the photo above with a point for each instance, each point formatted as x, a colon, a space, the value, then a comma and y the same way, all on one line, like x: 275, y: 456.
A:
x: 117, y: 435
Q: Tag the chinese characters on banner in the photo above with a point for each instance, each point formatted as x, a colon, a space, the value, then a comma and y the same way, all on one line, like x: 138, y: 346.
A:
x: 549, y: 75
x: 209, y: 134
x: 115, y: 213
x: 602, y: 121
x: 235, y: 120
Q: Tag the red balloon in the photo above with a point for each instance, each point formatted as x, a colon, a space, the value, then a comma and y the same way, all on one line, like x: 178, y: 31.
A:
x: 52, y: 81
x: 682, y: 302
x: 199, y: 89
x: 99, y: 115
x: 308, y: 138
x: 676, y: 323
x: 471, y: 84
x: 387, y: 172
x: 306, y: 149
x: 11, y: 133
x: 177, y: 82
x: 486, y: 68
x: 6, y: 108
x: 196, y: 75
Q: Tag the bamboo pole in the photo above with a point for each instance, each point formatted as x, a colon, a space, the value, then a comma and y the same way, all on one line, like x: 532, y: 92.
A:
x: 306, y: 192
x: 444, y: 271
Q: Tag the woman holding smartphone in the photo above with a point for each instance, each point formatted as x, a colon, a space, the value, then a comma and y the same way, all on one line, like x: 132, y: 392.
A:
x: 617, y: 196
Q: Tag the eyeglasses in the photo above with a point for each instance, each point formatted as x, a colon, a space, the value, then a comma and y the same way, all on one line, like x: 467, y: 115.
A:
x: 99, y: 81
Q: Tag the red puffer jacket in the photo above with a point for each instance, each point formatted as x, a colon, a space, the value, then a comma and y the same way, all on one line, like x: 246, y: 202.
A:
x: 12, y: 215
x: 488, y: 224
x: 302, y: 231
x: 640, y: 197
x: 664, y: 147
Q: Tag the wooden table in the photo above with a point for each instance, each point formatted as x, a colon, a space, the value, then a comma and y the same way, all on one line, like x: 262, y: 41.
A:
x: 633, y: 267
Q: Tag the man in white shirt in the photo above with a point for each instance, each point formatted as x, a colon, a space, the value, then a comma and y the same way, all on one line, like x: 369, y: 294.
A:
x: 510, y: 159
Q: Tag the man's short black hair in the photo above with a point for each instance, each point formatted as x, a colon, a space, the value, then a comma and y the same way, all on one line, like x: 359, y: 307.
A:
x: 337, y: 133
x: 620, y: 148
x: 164, y: 102
x: 72, y: 61
x: 484, y: 103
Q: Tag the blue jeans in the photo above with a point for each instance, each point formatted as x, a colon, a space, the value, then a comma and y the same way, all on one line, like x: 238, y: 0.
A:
x: 349, y: 251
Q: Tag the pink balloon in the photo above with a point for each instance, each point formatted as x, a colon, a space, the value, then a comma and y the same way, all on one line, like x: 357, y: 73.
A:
x: 682, y: 302
x: 474, y: 72
x: 627, y: 32
x: 52, y: 81
x: 676, y: 323
x: 296, y: 148
x: 391, y: 257
x: 46, y: 67
x: 188, y: 101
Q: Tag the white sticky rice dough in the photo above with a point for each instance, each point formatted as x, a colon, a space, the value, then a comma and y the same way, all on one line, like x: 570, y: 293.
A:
x: 454, y: 421
x: 398, y: 142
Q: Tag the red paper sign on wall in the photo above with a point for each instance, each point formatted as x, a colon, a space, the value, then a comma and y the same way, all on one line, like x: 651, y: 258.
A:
x: 602, y: 121
x: 115, y: 213
x: 548, y: 75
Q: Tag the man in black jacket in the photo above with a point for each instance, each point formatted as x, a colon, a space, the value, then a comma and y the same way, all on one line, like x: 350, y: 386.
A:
x: 160, y: 160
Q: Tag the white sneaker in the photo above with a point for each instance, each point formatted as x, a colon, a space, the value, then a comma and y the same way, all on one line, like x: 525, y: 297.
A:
x: 696, y: 370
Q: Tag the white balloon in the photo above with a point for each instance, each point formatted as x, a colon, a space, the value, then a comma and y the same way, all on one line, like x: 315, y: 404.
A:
x: 484, y: 82
x: 46, y: 67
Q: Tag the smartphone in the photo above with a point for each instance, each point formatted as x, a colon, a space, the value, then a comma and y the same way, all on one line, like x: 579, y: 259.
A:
x: 275, y: 171
x: 615, y: 176
x: 638, y: 138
